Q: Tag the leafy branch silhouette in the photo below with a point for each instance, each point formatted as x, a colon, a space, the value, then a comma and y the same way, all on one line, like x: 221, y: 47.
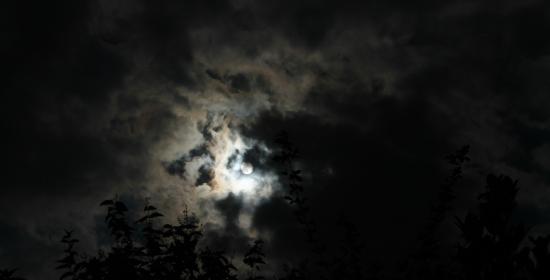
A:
x: 493, y: 244
x: 168, y: 252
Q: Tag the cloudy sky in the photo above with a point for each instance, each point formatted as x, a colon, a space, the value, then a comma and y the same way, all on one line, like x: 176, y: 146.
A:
x: 164, y: 100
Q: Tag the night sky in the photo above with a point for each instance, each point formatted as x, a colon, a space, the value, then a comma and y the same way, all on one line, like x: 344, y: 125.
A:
x: 163, y: 101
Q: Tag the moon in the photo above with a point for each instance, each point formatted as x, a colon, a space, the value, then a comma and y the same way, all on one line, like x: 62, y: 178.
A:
x: 247, y: 168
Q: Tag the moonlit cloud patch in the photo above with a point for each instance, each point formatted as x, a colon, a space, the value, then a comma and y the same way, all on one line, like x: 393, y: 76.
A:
x: 216, y: 167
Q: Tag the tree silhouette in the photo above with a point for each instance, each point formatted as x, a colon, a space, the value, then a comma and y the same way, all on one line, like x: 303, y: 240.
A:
x: 491, y: 246
x: 493, y: 242
x: 254, y: 258
x: 292, y: 179
x: 439, y: 210
x: 170, y: 252
x: 427, y: 262
x: 541, y: 268
x: 347, y: 264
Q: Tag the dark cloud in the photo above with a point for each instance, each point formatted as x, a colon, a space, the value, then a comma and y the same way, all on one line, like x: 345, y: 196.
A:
x: 231, y: 238
x: 389, y: 161
x: 16, y: 254
x: 256, y: 156
x: 213, y: 74
x: 98, y: 95
x: 206, y: 174
x: 176, y: 167
x: 232, y: 160
x: 274, y: 217
x: 239, y: 83
x: 230, y: 207
x: 59, y: 80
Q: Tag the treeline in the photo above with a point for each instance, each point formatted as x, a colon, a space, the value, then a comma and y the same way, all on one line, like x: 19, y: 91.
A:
x: 492, y: 245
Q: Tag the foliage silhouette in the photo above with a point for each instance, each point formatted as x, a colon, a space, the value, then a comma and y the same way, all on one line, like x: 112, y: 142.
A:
x: 541, y: 255
x: 169, y: 252
x: 427, y: 262
x: 493, y: 243
x: 429, y: 245
x: 491, y: 246
x: 292, y: 179
x: 254, y: 258
x: 347, y: 264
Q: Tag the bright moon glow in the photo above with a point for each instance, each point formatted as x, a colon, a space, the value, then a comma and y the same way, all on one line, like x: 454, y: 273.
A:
x: 232, y: 174
x: 247, y: 168
x: 245, y: 185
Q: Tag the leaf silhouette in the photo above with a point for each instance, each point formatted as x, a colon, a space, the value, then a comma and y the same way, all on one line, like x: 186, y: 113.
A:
x: 106, y: 202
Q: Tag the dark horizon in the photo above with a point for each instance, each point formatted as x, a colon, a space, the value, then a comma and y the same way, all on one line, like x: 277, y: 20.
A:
x: 179, y: 104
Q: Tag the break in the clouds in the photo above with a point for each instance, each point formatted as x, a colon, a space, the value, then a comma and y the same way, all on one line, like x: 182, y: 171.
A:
x: 166, y: 100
